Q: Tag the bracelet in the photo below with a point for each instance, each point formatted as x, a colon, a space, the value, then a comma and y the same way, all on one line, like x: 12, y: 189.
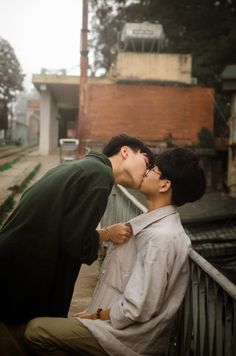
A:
x: 99, y: 313
x: 107, y: 233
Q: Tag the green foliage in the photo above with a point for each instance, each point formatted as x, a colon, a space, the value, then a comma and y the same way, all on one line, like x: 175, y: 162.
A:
x: 206, y: 138
x: 9, y: 203
x: 106, y: 23
x: 6, y: 208
x: 11, y: 79
x: 205, y: 29
x: 169, y: 141
x: 222, y: 113
x: 8, y: 165
x: 29, y: 178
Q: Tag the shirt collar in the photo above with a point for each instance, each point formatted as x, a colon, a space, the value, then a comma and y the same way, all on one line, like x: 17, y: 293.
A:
x: 140, y: 222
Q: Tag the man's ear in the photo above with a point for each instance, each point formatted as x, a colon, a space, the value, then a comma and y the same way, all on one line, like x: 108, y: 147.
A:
x: 124, y: 151
x: 165, y: 185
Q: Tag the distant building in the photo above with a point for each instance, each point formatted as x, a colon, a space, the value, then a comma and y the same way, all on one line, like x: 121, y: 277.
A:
x: 25, y: 121
x: 33, y: 114
x: 146, y: 93
x: 156, y: 110
x: 229, y: 84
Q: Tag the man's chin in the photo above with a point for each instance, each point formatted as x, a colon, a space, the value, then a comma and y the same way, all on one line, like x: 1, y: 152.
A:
x: 133, y: 185
x: 140, y: 186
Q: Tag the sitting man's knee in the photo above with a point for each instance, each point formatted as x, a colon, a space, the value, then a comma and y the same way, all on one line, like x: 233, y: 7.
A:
x: 33, y: 332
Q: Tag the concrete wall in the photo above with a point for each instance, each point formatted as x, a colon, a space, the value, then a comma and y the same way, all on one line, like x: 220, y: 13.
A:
x: 149, y: 112
x: 48, y: 124
x: 33, y: 116
x: 19, y: 133
x: 33, y: 130
x: 153, y: 66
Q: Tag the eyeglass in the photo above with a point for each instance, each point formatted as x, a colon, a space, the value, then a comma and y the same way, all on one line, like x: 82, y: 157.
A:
x: 149, y: 166
x: 157, y: 172
x: 153, y: 170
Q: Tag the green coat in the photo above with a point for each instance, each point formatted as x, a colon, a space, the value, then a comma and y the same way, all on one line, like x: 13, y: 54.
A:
x: 49, y: 235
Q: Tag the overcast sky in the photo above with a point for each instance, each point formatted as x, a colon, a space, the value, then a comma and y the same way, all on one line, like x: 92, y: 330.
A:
x: 43, y: 33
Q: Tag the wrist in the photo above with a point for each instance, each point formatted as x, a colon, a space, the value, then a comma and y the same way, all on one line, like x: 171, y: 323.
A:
x: 103, y: 314
x: 106, y: 234
x: 98, y: 313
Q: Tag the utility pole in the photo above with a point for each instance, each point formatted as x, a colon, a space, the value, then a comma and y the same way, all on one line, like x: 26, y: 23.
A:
x: 82, y: 120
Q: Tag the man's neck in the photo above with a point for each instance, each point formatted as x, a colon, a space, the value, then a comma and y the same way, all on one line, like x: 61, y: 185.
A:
x: 116, y: 169
x: 153, y: 204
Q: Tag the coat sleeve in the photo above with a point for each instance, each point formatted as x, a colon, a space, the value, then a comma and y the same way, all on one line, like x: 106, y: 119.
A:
x: 83, y: 211
x: 143, y: 295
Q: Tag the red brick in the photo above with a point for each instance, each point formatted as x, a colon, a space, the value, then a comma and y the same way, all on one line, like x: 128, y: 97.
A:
x: 149, y: 112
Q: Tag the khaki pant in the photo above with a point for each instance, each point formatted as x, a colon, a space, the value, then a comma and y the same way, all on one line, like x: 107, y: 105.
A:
x: 61, y: 337
x: 11, y: 340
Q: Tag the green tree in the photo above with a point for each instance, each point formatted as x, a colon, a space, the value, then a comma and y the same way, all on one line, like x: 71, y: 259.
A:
x: 11, y: 79
x: 205, y: 29
x: 206, y: 138
x: 106, y: 21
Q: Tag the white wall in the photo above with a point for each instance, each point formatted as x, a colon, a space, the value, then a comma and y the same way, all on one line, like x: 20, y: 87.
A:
x: 48, y: 136
x: 153, y: 66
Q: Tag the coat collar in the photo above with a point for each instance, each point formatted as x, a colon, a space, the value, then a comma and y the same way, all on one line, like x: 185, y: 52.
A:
x: 100, y: 156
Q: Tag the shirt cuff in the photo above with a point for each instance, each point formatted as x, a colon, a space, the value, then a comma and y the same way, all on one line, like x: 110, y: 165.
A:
x: 117, y: 317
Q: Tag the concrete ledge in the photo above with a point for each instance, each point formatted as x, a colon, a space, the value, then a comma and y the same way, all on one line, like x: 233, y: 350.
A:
x: 8, y: 151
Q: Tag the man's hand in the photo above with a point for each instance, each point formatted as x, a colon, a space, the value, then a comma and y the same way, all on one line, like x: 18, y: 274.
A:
x: 104, y: 315
x: 117, y: 233
x: 87, y: 315
x: 78, y: 314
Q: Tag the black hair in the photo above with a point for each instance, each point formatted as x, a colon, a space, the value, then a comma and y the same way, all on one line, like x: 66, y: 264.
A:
x: 181, y: 167
x: 116, y: 142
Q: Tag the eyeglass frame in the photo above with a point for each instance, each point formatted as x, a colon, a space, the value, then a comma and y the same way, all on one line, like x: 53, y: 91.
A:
x: 153, y: 170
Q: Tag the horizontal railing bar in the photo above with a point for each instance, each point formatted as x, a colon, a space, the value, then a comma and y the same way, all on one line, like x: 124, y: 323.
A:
x: 212, y: 272
x: 132, y: 199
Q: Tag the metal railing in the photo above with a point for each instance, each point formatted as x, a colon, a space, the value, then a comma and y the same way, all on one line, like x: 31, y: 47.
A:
x: 206, y: 322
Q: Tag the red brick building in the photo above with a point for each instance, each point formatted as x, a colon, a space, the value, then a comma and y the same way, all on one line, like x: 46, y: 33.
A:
x: 150, y: 112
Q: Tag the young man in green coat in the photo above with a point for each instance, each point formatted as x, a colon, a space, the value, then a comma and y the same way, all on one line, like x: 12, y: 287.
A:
x: 53, y: 229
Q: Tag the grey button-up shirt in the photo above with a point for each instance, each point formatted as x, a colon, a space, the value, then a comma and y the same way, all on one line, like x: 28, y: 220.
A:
x: 143, y: 282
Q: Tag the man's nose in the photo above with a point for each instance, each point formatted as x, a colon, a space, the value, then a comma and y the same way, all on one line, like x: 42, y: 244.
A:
x: 146, y: 173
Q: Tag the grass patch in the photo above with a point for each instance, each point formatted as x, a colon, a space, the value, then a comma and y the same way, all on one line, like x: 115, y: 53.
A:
x: 6, y: 208
x: 10, y: 201
x: 29, y: 178
x: 8, y: 165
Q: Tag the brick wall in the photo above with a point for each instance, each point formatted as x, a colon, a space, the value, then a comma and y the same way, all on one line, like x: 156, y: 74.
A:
x: 149, y: 112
